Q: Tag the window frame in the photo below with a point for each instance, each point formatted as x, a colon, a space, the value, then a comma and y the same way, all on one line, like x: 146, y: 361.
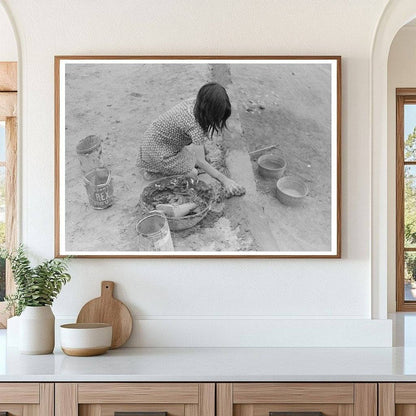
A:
x: 8, y: 113
x: 403, y: 96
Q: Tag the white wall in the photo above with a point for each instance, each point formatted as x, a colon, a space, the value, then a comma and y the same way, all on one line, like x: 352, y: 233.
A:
x: 8, y: 47
x: 401, y: 74
x: 179, y: 302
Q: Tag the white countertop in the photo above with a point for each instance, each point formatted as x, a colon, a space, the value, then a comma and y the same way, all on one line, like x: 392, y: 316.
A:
x: 213, y: 364
x: 222, y: 364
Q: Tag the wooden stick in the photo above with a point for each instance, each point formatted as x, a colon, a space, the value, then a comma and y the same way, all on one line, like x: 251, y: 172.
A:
x: 273, y: 146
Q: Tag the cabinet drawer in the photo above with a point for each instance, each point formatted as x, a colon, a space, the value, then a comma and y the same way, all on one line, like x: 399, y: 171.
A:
x: 292, y: 393
x: 152, y: 399
x: 138, y: 393
x: 19, y: 393
x: 297, y: 399
x: 143, y: 409
x: 22, y: 399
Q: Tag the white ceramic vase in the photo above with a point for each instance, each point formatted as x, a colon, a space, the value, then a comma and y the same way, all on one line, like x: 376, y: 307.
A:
x: 37, y: 330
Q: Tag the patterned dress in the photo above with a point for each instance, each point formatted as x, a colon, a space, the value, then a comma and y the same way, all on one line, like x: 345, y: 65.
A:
x: 163, y: 150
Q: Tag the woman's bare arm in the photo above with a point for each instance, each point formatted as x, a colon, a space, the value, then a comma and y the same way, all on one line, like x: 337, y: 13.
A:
x: 231, y: 187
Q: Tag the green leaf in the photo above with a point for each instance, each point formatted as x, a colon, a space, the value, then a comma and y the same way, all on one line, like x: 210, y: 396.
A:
x: 35, y: 286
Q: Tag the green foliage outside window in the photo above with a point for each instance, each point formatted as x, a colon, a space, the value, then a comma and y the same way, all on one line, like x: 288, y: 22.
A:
x: 410, y: 207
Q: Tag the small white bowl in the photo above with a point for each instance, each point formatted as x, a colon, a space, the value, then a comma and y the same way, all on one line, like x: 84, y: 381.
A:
x: 84, y: 340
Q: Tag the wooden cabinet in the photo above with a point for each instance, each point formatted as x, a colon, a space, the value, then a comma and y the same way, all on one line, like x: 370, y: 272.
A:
x: 208, y: 399
x: 297, y: 399
x: 397, y: 399
x: 106, y: 399
x: 27, y: 399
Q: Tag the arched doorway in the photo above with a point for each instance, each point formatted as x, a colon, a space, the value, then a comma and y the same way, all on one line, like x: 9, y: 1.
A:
x: 396, y: 14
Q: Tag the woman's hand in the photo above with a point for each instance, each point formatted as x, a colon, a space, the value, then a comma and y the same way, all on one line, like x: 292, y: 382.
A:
x: 232, y: 188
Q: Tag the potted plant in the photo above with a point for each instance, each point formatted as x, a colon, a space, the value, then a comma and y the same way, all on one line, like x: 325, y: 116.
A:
x: 36, y: 289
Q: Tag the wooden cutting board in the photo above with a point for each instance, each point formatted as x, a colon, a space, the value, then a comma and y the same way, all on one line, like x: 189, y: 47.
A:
x: 107, y: 309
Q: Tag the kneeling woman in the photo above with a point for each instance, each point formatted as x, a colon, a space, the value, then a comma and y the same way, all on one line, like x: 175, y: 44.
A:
x: 163, y: 149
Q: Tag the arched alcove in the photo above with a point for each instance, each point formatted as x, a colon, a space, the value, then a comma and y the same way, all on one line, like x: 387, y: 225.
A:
x: 396, y: 14
x: 401, y: 74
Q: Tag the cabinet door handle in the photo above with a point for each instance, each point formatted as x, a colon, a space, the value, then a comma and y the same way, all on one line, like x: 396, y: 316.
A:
x: 296, y: 414
x: 138, y: 414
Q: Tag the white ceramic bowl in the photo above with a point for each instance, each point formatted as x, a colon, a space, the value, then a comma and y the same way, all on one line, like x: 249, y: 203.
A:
x: 83, y: 340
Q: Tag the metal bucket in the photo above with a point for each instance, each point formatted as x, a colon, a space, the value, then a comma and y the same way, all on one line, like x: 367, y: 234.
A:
x: 99, y: 186
x: 154, y: 233
x: 89, y: 152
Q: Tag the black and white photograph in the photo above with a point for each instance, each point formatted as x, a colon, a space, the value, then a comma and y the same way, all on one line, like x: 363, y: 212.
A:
x: 197, y: 157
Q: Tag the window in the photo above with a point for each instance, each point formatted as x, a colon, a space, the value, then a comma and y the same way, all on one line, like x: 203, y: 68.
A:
x: 8, y: 171
x: 406, y: 199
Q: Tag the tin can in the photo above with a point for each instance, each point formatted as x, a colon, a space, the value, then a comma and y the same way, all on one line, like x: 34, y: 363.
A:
x: 89, y: 151
x: 99, y: 186
x: 154, y: 232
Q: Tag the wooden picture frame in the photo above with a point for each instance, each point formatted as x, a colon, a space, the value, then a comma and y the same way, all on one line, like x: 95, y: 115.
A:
x: 8, y: 115
x: 288, y: 106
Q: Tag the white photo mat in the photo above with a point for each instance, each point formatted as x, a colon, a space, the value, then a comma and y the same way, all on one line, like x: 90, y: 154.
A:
x: 292, y: 103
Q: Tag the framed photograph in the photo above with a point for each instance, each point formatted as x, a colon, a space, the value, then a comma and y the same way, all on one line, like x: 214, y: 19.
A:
x: 197, y: 156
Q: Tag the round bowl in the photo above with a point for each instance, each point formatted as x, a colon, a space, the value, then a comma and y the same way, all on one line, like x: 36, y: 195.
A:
x: 83, y: 340
x: 197, y: 190
x: 271, y: 166
x: 291, y: 190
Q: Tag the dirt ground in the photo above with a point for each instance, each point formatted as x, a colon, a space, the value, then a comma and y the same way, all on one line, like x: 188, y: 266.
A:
x: 283, y: 105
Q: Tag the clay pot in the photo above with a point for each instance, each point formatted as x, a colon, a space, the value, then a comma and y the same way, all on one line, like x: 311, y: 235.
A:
x: 291, y: 190
x: 271, y: 166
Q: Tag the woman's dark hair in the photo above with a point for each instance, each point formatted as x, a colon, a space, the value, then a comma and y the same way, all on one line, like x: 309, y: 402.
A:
x: 212, y: 108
